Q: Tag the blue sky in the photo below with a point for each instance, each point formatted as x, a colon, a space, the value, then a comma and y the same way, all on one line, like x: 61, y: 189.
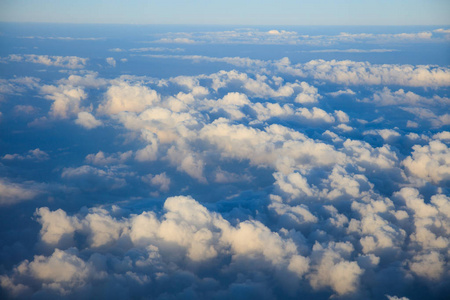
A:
x: 265, y: 12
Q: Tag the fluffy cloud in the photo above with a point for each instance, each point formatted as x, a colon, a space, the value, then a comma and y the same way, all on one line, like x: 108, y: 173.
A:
x: 320, y: 179
x: 125, y: 97
x: 66, y: 99
x: 430, y: 162
x: 87, y: 120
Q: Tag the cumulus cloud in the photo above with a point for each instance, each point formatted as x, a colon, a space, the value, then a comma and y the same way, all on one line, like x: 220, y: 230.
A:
x: 430, y: 162
x: 267, y: 179
x: 125, y: 97
x: 87, y: 120
x: 66, y: 99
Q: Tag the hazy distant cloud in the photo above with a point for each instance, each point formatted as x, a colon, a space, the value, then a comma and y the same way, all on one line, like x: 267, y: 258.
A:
x: 13, y: 193
x: 283, y: 37
x: 111, y: 61
x: 71, y: 62
x: 175, y: 41
x: 35, y: 154
x: 342, y: 72
x: 156, y: 49
x: 63, y: 38
x: 388, y: 97
x: 100, y: 159
x: 352, y: 50
x: 359, y: 73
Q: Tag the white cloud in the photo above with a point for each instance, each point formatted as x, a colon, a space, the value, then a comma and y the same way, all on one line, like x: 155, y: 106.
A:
x: 111, y: 61
x: 66, y: 99
x: 430, y: 162
x: 388, y: 97
x: 87, y: 120
x: 70, y: 62
x: 125, y: 97
x: 342, y: 92
x: 162, y: 181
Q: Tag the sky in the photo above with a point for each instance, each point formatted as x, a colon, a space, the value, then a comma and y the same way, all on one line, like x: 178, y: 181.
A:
x: 252, y: 12
x: 227, y: 161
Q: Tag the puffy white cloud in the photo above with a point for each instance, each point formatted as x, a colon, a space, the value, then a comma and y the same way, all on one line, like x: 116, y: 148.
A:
x: 57, y: 228
x: 122, y: 97
x: 430, y: 162
x: 342, y: 92
x: 66, y: 99
x: 61, y: 272
x: 275, y: 146
x: 162, y: 181
x: 309, y: 94
x: 430, y: 266
x: 333, y: 270
x: 87, y: 120
x: 315, y: 114
x: 364, y: 73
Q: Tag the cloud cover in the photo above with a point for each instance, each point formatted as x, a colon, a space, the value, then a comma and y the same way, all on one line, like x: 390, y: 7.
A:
x: 263, y: 179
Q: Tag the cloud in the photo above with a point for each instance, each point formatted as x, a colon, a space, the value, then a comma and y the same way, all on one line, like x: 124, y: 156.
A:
x: 122, y: 97
x: 66, y: 99
x: 36, y: 154
x: 111, y: 61
x: 345, y: 72
x: 342, y: 92
x: 175, y: 41
x: 353, y: 51
x: 87, y: 120
x: 254, y: 36
x: 365, y: 73
x: 162, y: 181
x: 91, y: 179
x: 387, y: 97
x: 13, y: 193
x: 100, y: 159
x: 430, y: 162
x: 70, y: 62
x: 267, y: 179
